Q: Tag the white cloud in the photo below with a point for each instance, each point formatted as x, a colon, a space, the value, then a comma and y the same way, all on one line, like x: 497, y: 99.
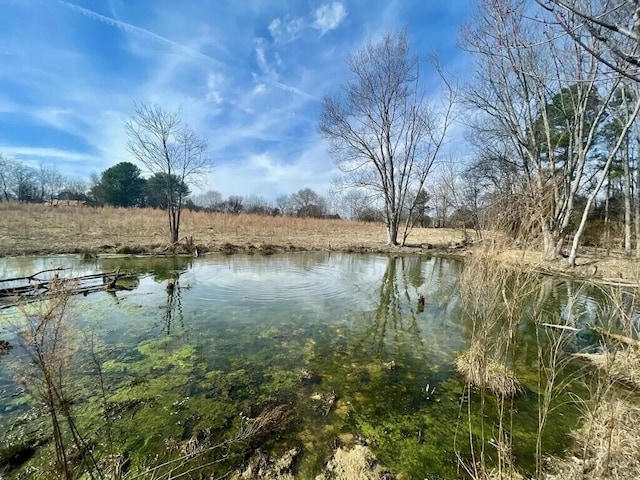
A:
x: 27, y: 153
x: 286, y: 30
x: 266, y: 175
x: 215, y: 84
x: 259, y: 89
x: 329, y: 17
x: 275, y: 28
x: 325, y: 18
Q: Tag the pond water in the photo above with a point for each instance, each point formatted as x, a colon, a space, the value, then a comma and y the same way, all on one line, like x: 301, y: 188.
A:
x: 338, y: 339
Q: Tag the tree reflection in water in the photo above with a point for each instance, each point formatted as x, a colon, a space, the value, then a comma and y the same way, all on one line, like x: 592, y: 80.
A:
x: 394, y: 326
x: 173, y: 307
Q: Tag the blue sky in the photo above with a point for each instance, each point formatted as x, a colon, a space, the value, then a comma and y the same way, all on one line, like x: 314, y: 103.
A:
x: 248, y: 76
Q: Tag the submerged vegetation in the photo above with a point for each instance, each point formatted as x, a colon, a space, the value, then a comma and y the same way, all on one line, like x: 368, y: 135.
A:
x: 344, y: 367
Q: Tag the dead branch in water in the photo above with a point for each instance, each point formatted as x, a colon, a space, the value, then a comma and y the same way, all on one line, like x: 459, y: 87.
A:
x: 32, y: 288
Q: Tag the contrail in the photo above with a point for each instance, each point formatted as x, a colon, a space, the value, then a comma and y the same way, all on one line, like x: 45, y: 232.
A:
x: 134, y: 29
x: 297, y: 91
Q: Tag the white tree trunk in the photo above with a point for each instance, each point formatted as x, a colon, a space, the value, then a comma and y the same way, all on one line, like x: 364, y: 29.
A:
x: 627, y: 202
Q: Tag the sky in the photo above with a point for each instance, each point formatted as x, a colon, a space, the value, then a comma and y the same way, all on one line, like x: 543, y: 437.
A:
x: 246, y: 75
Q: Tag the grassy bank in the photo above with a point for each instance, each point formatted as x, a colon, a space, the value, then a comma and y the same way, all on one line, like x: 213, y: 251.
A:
x: 35, y: 228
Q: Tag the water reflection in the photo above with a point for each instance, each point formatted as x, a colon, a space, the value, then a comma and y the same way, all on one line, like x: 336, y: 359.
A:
x: 209, y: 338
x: 173, y: 308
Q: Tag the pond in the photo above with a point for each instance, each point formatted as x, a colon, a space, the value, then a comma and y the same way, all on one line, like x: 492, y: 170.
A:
x: 336, y: 344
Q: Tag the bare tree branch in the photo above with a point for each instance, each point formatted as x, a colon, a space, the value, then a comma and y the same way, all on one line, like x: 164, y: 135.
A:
x: 165, y: 145
x: 383, y: 135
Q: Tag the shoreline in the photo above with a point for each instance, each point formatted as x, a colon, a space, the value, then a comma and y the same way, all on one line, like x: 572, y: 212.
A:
x: 37, y: 229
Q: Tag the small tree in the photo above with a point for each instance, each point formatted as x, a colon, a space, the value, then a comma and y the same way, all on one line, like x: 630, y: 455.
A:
x: 48, y: 342
x: 120, y: 186
x: 165, y: 145
x: 308, y: 203
x: 383, y: 135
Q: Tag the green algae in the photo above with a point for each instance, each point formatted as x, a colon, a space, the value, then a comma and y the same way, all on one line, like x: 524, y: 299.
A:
x: 223, y: 360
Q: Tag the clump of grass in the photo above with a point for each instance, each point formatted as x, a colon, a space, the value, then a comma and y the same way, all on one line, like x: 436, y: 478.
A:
x: 485, y: 373
x: 621, y: 366
x: 607, y: 445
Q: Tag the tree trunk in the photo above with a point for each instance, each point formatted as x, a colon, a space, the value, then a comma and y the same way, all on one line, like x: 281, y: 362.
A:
x: 606, y: 214
x: 550, y: 243
x: 637, y: 204
x: 174, y: 225
x: 392, y: 230
x: 590, y: 199
x: 627, y: 202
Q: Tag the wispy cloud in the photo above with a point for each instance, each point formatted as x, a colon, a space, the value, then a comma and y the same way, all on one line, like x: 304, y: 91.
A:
x: 325, y: 18
x: 269, y: 176
x: 26, y: 153
x: 286, y: 30
x: 128, y: 27
x: 329, y: 17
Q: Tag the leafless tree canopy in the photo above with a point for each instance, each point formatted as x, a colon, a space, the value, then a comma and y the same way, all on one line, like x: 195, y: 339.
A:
x: 383, y: 134
x: 607, y: 29
x: 547, y: 101
x: 160, y: 140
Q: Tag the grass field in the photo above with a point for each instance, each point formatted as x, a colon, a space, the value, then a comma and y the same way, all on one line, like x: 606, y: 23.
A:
x: 36, y: 228
x: 27, y: 229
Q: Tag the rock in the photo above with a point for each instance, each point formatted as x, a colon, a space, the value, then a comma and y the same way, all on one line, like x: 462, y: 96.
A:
x: 262, y: 467
x: 358, y: 462
x: 390, y: 365
x: 5, y: 347
x: 324, y: 402
x: 308, y: 377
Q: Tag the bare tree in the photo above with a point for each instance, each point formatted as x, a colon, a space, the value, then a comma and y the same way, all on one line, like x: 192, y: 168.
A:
x: 165, y: 145
x: 210, y: 199
x: 257, y: 205
x: 383, y: 134
x: 24, y: 182
x: 545, y: 96
x: 7, y: 167
x: 234, y: 204
x: 609, y: 30
x: 307, y: 203
x: 284, y: 204
x: 50, y: 182
x: 353, y: 202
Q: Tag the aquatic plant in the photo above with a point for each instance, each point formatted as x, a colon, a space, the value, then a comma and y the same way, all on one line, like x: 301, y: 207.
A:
x: 486, y: 373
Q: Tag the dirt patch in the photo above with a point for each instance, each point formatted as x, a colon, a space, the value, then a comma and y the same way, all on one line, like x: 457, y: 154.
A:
x: 358, y: 463
x: 592, y: 265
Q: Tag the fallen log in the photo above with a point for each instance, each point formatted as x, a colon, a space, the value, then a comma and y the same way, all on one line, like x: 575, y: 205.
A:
x: 34, y: 288
x: 632, y: 342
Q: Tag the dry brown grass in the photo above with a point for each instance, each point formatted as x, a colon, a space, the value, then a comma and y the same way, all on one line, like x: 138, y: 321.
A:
x: 592, y: 263
x: 486, y: 373
x: 607, y: 445
x: 621, y: 366
x: 36, y: 228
